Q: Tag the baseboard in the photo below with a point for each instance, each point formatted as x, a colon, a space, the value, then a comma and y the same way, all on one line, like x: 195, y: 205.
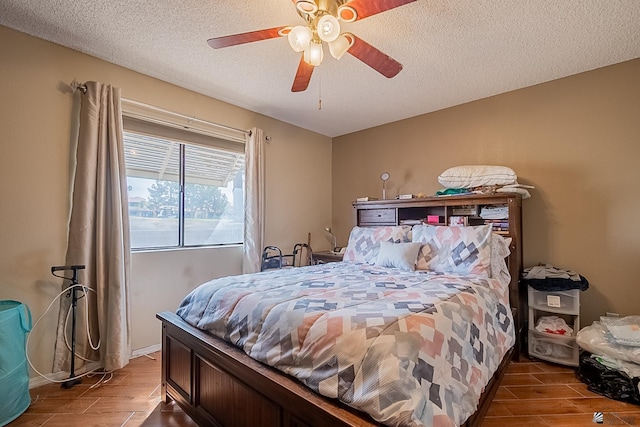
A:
x: 146, y: 350
x: 61, y: 376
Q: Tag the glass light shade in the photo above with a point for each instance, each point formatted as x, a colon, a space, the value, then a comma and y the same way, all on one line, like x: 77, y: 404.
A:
x: 341, y: 45
x: 313, y: 54
x: 328, y: 28
x: 299, y: 38
x: 347, y: 13
x: 306, y: 6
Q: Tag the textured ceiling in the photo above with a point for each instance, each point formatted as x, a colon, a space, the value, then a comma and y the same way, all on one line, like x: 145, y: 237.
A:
x: 453, y: 51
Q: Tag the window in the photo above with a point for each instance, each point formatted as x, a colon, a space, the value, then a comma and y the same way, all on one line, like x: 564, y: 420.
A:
x: 186, y: 188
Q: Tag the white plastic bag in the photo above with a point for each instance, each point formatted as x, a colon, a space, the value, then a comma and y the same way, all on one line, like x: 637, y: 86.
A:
x: 623, y: 330
x: 554, y: 325
x: 594, y: 339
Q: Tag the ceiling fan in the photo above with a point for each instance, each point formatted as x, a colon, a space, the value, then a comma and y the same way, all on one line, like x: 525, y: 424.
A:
x: 322, y: 25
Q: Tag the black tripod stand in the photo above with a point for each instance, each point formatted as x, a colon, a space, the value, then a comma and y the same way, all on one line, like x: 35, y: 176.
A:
x: 74, y: 303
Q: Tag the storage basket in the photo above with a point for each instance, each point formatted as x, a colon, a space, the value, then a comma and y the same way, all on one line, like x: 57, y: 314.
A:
x: 15, y: 323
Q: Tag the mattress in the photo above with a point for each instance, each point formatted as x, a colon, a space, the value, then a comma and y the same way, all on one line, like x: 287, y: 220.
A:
x: 408, y: 348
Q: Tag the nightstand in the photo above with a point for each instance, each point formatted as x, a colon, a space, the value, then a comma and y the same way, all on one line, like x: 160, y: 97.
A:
x: 325, y: 257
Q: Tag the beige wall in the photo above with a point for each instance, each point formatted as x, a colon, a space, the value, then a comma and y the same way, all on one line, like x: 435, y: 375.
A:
x: 36, y: 108
x: 576, y: 139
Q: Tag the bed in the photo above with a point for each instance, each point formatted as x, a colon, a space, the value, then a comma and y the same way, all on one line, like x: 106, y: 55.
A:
x: 363, y: 342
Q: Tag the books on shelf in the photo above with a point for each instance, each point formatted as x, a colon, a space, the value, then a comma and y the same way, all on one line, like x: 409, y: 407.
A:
x: 497, y: 222
x: 500, y: 226
x: 458, y: 220
x: 366, y: 199
x: 468, y: 210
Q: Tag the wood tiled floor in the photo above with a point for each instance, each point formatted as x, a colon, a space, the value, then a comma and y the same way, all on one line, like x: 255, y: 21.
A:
x: 130, y: 398
x: 532, y: 393
x: 535, y: 393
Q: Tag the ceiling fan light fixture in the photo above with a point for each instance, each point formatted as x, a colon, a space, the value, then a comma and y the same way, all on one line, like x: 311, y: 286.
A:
x: 341, y: 45
x: 347, y: 13
x: 306, y: 6
x: 313, y: 54
x: 328, y: 28
x: 284, y: 31
x: 299, y: 38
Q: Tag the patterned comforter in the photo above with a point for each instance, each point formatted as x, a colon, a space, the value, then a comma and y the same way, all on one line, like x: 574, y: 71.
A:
x: 410, y: 349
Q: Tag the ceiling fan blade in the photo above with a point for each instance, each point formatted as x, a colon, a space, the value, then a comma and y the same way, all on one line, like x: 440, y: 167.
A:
x: 374, y: 58
x: 303, y: 76
x: 366, y: 8
x: 242, y: 38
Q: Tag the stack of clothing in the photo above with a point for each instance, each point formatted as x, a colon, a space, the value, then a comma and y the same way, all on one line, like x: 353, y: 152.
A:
x: 547, y: 278
x: 494, y: 212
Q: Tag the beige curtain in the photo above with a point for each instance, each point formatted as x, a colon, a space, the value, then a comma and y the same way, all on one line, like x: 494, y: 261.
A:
x: 254, y: 204
x: 99, y: 234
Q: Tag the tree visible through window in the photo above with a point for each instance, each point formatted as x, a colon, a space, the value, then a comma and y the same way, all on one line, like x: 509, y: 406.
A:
x: 182, y: 194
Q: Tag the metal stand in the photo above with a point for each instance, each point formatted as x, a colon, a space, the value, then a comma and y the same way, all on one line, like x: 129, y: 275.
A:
x: 74, y: 303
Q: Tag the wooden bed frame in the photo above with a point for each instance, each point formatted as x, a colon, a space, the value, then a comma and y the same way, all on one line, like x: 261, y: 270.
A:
x: 217, y: 384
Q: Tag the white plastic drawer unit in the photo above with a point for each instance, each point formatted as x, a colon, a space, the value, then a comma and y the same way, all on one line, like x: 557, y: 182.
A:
x: 559, y: 302
x: 554, y: 348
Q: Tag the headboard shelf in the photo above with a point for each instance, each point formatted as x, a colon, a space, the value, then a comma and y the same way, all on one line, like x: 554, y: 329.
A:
x: 439, y: 210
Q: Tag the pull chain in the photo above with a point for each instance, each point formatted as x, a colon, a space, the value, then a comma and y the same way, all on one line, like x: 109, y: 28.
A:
x: 320, y: 91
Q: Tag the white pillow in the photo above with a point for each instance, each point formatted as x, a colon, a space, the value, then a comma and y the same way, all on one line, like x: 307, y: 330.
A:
x: 398, y: 255
x: 499, y: 252
x: 477, y: 176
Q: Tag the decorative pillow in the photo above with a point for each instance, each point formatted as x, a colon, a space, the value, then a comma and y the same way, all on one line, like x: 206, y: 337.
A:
x: 477, y: 176
x: 364, y: 242
x: 398, y: 255
x: 460, y: 250
x: 499, y: 252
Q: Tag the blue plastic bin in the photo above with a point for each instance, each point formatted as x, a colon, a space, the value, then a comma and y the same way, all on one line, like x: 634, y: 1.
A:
x: 15, y: 323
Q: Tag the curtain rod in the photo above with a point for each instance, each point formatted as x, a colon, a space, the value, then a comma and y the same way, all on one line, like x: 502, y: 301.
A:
x: 76, y: 86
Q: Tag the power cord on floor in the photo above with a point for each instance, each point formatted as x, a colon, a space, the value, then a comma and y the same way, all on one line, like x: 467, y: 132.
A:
x: 85, y: 289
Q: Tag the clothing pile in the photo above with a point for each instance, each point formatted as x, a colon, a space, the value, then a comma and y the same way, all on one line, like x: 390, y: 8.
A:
x: 494, y: 212
x: 547, y: 278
